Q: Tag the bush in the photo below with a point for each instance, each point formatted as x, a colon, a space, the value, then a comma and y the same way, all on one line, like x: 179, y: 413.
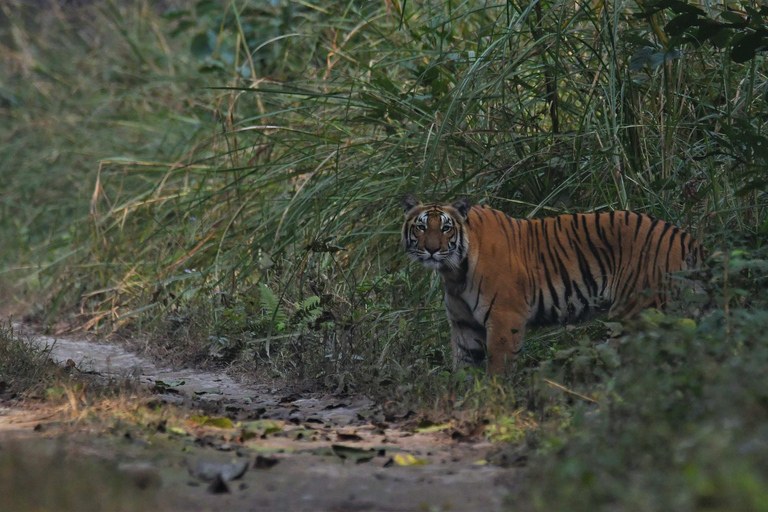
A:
x: 680, y: 421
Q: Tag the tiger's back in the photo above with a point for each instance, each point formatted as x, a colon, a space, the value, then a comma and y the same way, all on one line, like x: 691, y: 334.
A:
x: 501, y: 274
x: 580, y: 264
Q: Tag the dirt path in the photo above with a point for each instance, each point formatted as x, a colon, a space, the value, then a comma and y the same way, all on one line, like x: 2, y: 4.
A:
x: 300, y: 452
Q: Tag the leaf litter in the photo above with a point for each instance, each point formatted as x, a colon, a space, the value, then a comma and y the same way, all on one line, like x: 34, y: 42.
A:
x: 319, y: 450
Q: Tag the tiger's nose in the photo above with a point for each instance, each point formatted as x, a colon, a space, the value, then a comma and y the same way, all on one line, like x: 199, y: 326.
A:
x: 432, y: 249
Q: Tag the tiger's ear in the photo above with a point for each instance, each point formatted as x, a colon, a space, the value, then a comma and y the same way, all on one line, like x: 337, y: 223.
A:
x: 463, y: 206
x: 409, y: 202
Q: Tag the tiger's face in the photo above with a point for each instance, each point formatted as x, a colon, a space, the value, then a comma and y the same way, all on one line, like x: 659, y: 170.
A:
x: 434, y: 234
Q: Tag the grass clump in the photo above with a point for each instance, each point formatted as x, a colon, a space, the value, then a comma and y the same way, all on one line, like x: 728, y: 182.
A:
x: 23, y: 366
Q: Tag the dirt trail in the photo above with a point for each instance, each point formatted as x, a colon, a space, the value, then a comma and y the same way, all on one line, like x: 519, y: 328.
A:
x: 301, y: 452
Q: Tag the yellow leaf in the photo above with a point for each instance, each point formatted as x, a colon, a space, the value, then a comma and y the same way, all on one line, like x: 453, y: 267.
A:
x: 434, y: 428
x: 406, y: 459
x: 687, y: 325
x: 221, y: 422
x: 481, y: 462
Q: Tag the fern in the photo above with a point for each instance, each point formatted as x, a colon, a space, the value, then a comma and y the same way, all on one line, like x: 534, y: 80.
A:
x: 271, y: 308
x: 307, y: 311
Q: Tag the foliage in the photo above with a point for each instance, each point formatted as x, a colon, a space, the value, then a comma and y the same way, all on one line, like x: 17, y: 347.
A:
x: 744, y: 32
x: 22, y: 365
x: 677, y: 420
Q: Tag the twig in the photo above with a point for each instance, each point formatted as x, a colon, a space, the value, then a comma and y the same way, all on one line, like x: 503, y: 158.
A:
x: 560, y: 386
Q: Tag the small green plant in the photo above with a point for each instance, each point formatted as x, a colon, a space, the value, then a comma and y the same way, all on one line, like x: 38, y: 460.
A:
x: 506, y: 429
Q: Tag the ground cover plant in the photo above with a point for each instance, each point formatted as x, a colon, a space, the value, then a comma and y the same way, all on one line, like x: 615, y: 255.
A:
x: 22, y: 366
x: 224, y: 177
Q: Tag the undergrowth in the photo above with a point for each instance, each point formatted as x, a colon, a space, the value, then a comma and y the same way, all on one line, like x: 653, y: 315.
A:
x: 672, y: 416
x: 227, y: 174
x: 23, y: 366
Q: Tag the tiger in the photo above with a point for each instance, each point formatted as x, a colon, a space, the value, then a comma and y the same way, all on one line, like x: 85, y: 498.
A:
x: 502, y: 274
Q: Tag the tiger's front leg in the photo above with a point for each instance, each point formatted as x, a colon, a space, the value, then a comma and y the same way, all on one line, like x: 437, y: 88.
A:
x: 468, y: 336
x: 506, y: 330
x: 468, y: 341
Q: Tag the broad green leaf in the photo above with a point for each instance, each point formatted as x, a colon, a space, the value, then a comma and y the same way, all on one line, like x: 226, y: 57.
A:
x: 200, y: 46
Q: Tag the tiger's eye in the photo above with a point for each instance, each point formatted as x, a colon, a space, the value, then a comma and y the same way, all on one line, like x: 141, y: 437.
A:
x: 447, y: 229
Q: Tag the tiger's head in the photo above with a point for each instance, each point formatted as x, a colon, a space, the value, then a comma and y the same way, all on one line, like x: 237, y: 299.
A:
x: 435, y: 233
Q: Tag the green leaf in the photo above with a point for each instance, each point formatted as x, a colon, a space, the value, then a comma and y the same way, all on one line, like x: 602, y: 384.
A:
x: 183, y: 26
x: 709, y: 29
x: 679, y: 7
x: 200, y: 46
x: 208, y: 421
x: 172, y: 14
x: 272, y: 310
x: 745, y: 48
x: 659, y: 58
x: 680, y: 24
x: 272, y: 429
x: 641, y: 57
x: 211, y: 66
x: 733, y: 17
x: 169, y: 384
x: 204, y: 7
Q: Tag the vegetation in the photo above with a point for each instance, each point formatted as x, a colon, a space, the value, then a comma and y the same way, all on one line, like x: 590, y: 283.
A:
x: 674, y: 416
x: 224, y: 177
x: 22, y: 366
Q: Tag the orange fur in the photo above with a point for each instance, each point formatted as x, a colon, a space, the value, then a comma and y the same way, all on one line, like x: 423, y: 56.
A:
x: 501, y: 274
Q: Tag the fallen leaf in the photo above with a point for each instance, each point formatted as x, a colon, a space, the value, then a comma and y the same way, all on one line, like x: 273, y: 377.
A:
x: 208, y: 421
x: 434, y: 428
x: 246, y: 435
x: 208, y: 391
x: 336, y: 405
x: 271, y: 430
x: 166, y: 387
x: 406, y: 459
x: 265, y: 426
x: 347, y: 436
x: 288, y: 399
x: 352, y: 453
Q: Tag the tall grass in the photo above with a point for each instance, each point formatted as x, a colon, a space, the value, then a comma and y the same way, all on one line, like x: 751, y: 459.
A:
x: 218, y: 167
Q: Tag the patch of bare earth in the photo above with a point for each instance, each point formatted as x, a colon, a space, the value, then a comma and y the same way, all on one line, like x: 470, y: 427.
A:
x: 202, y: 441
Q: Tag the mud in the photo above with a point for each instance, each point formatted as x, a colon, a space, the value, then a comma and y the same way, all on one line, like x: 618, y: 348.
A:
x: 302, y: 452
